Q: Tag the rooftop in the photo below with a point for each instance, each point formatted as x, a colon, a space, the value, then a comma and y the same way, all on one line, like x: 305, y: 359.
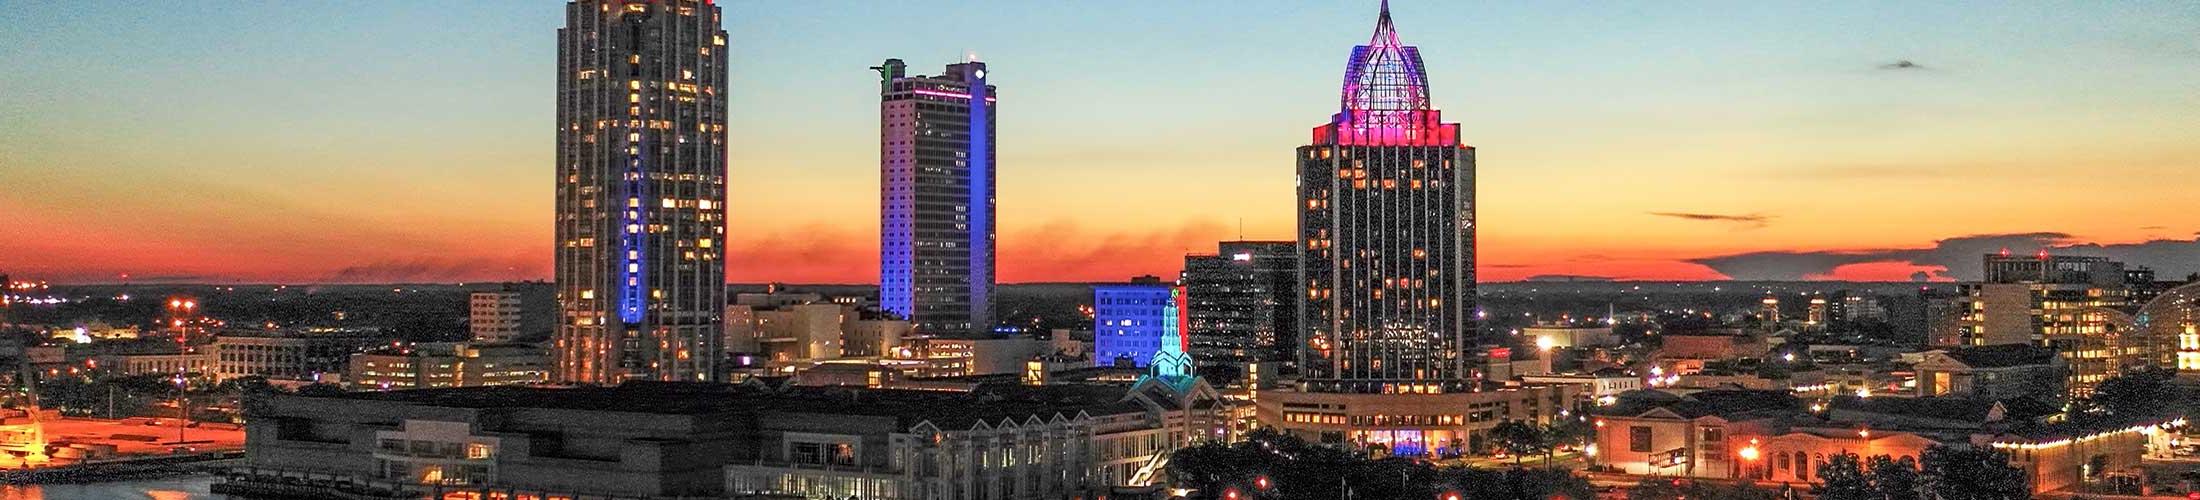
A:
x: 2002, y: 355
x: 948, y: 410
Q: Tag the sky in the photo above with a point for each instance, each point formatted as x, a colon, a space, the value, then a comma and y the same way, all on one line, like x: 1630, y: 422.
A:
x: 281, y: 141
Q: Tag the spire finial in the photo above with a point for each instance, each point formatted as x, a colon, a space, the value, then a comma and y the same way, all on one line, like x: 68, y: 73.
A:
x: 1384, y: 31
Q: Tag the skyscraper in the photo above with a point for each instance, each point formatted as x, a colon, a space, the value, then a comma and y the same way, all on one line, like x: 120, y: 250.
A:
x: 936, y: 197
x: 1243, y: 301
x: 1386, y: 233
x: 641, y: 190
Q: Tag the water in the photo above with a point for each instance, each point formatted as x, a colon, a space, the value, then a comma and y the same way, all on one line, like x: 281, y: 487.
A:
x: 167, y: 488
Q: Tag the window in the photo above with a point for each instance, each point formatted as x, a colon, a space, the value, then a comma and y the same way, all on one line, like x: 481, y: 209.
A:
x: 1638, y: 439
x: 806, y: 453
x: 477, y: 451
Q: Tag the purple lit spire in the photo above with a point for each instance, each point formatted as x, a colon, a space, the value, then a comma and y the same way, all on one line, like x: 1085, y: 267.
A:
x: 1385, y: 99
x: 1384, y: 75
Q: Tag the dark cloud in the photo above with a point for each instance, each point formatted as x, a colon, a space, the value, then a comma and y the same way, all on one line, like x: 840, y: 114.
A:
x: 1567, y: 277
x: 1955, y: 258
x: 1901, y: 65
x: 421, y: 271
x: 171, y: 278
x: 1745, y: 220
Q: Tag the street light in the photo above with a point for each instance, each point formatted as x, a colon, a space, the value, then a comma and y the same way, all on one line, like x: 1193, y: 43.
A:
x: 1750, y: 455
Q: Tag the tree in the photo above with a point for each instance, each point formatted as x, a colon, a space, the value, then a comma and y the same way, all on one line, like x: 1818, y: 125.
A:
x: 1970, y: 474
x: 1893, y: 479
x: 1519, y: 438
x: 1736, y: 491
x: 321, y: 390
x: 1656, y: 489
x: 1574, y: 430
x: 2135, y: 393
x: 1294, y: 469
x: 1842, y: 478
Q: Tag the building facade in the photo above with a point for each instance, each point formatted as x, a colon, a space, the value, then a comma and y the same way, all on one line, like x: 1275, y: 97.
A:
x: 2068, y: 303
x: 936, y: 197
x: 434, y: 366
x: 202, y: 363
x: 1129, y: 320
x: 799, y: 328
x: 658, y: 440
x: 1995, y: 372
x: 2171, y: 324
x: 318, y: 357
x: 1241, y: 302
x: 1413, y: 425
x: 1386, y: 233
x: 494, y: 316
x: 641, y: 190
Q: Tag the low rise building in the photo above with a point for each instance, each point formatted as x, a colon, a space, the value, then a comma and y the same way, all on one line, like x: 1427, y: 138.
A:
x: 964, y: 357
x: 681, y: 440
x: 430, y: 366
x: 201, y: 363
x: 494, y: 316
x: 795, y: 329
x: 1444, y: 424
x: 1602, y: 386
x: 1558, y: 336
x: 1771, y: 436
x: 293, y: 355
x: 1994, y: 372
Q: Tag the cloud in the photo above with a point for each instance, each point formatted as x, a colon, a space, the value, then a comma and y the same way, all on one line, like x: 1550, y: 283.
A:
x: 1567, y: 278
x: 1056, y: 251
x: 810, y: 253
x: 1954, y: 258
x: 1903, y: 64
x: 1067, y: 251
x: 168, y: 278
x: 425, y: 271
x: 1749, y: 221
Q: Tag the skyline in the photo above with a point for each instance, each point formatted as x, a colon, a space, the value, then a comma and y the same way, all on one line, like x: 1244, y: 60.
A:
x: 1721, y: 162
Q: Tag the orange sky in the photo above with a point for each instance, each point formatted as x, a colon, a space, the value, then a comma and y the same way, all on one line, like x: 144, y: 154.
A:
x: 237, y: 145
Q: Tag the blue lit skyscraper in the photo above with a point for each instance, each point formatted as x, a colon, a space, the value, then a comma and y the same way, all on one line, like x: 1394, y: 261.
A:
x: 641, y: 190
x: 936, y: 197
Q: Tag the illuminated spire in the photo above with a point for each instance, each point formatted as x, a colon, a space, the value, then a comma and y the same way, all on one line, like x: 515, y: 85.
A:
x: 1384, y: 75
x: 1385, y: 97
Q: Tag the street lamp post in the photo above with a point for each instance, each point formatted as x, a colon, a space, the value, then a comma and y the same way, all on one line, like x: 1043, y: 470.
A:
x: 183, y: 410
x: 1749, y: 455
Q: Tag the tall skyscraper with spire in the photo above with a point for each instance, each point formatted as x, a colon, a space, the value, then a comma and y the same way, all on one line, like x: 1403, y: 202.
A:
x: 641, y: 189
x: 1386, y: 233
x: 936, y: 197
